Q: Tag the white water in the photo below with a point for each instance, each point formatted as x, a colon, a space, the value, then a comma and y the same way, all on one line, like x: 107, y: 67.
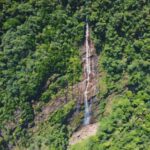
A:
x: 88, y: 72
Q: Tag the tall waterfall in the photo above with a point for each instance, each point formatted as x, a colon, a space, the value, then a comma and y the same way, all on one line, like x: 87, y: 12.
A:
x: 88, y: 72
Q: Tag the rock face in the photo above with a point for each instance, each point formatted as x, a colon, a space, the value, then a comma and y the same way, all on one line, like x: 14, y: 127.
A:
x: 85, y: 91
x: 49, y: 108
x: 92, y: 88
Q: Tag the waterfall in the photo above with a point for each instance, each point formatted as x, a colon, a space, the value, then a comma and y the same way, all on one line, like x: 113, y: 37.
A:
x: 88, y: 72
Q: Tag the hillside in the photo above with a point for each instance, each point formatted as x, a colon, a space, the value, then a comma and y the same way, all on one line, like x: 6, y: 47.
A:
x: 54, y: 73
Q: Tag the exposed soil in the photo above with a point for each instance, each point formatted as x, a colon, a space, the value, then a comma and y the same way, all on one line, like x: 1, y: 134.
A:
x: 83, y: 133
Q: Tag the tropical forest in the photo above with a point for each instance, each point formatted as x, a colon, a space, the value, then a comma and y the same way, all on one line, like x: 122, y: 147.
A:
x: 74, y: 75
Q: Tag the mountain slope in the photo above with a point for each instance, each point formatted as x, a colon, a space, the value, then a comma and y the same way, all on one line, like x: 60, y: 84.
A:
x: 121, y: 33
x: 40, y: 64
x: 39, y: 57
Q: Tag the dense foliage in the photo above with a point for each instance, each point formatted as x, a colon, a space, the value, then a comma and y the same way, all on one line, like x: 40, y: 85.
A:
x: 39, y: 40
x: 39, y: 56
x: 53, y: 134
x: 121, y: 30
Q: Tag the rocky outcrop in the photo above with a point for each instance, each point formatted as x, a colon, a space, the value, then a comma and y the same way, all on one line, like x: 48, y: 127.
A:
x: 48, y: 109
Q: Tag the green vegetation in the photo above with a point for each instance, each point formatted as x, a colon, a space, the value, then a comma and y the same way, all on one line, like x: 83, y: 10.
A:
x: 39, y: 40
x: 39, y: 57
x: 53, y: 133
x: 84, y: 145
x: 121, y: 31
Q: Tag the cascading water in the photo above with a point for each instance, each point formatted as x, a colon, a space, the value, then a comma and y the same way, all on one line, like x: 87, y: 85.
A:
x: 88, y: 72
